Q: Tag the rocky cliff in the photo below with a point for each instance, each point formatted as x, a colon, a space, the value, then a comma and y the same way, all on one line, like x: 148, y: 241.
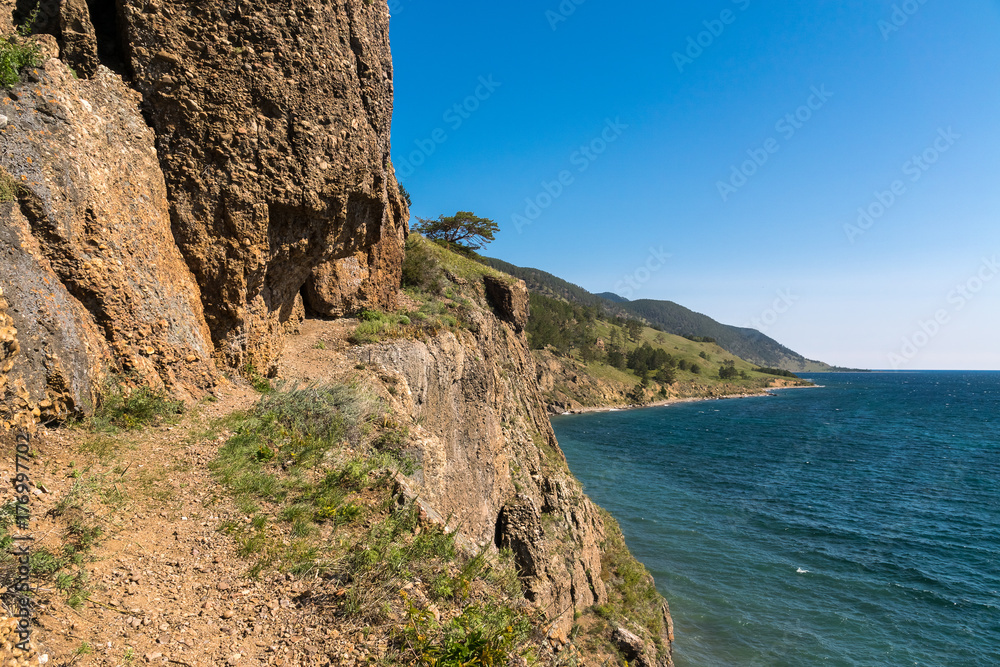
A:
x: 489, y: 463
x: 272, y: 123
x: 90, y: 271
x: 188, y: 180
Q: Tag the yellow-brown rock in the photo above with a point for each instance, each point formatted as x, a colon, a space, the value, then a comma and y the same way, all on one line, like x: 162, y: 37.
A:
x: 88, y: 263
x: 272, y: 123
x: 10, y: 654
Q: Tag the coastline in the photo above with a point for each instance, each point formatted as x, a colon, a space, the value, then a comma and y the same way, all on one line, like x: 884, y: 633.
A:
x: 763, y: 392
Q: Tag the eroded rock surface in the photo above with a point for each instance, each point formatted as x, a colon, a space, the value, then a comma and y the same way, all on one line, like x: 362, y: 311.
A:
x: 264, y: 187
x: 89, y: 269
x: 490, y: 464
x: 509, y: 300
x: 272, y: 123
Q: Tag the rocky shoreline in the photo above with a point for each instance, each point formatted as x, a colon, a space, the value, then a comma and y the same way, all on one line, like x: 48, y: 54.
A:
x: 767, y: 391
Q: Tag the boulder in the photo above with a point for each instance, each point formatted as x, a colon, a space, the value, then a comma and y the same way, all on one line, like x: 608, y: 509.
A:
x: 633, y: 648
x: 509, y: 300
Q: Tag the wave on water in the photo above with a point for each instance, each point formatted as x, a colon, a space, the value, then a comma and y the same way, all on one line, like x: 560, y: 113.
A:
x: 885, y: 484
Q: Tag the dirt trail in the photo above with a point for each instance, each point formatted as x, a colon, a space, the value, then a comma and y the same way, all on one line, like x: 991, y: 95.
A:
x: 166, y: 586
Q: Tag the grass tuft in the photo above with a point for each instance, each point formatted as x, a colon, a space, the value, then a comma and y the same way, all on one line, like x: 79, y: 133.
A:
x: 123, y: 407
x: 8, y: 187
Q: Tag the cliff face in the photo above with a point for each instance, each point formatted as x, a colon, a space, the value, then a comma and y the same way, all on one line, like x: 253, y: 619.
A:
x: 89, y: 269
x: 490, y: 464
x: 272, y: 123
x: 228, y: 170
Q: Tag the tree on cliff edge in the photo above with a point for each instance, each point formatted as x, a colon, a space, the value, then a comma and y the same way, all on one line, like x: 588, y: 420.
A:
x: 462, y: 231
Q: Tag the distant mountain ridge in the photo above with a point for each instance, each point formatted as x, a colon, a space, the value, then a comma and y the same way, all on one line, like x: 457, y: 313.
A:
x: 671, y: 317
x: 611, y: 296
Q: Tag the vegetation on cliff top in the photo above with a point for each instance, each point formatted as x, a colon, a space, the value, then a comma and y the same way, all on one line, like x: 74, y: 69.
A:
x: 463, y: 232
x: 429, y: 265
x: 638, y: 363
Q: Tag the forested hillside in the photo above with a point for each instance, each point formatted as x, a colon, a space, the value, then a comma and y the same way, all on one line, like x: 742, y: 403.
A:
x: 666, y: 316
x: 590, y: 358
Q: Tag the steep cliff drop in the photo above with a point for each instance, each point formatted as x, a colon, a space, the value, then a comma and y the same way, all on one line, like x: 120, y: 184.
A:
x: 489, y: 462
x: 187, y: 181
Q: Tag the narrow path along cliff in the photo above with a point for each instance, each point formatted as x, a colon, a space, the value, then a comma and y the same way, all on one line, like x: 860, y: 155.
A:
x: 150, y: 554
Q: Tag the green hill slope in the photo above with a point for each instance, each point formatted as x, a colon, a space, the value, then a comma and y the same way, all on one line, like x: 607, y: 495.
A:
x: 748, y: 344
x: 587, y: 360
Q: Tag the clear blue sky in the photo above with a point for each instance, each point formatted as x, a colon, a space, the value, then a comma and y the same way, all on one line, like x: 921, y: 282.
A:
x: 829, y: 101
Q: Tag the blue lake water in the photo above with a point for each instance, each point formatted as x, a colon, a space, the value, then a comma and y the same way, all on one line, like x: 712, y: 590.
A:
x: 853, y: 524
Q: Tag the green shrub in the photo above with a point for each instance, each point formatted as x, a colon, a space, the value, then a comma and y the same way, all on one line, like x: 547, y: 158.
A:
x: 16, y: 53
x: 306, y: 422
x: 377, y: 326
x: 256, y: 379
x: 367, y: 332
x: 421, y: 268
x: 487, y: 634
x: 392, y: 440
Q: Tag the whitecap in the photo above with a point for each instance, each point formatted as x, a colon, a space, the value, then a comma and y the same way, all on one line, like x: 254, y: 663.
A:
x: 801, y: 571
